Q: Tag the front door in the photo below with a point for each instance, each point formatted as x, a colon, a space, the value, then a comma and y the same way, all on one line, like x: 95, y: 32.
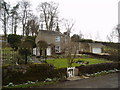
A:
x: 48, y: 51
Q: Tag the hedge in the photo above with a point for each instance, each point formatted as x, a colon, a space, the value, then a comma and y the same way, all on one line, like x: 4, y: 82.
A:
x: 108, y: 57
x: 19, y: 74
x: 89, y: 69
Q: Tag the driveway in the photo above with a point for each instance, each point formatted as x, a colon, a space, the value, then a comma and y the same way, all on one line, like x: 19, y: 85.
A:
x: 105, y: 81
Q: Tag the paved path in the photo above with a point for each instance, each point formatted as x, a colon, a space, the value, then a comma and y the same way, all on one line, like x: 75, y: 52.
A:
x: 105, y: 81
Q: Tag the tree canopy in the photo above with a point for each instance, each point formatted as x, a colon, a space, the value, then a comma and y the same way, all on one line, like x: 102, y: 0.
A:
x: 14, y: 40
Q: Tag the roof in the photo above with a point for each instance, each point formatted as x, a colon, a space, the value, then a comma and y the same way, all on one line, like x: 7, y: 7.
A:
x: 95, y: 44
x: 51, y: 32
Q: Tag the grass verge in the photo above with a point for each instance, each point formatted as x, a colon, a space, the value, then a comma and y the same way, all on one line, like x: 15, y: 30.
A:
x: 38, y: 84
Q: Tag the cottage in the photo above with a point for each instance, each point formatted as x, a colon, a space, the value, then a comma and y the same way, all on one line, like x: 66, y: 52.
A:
x: 56, y: 41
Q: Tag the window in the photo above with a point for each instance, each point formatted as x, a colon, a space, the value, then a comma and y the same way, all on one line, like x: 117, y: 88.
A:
x: 57, y: 39
x: 57, y: 49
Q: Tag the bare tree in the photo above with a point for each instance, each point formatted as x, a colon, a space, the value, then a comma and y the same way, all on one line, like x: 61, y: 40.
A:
x: 68, y: 25
x: 81, y: 35
x: 32, y: 26
x: 49, y: 13
x: 25, y: 13
x: 113, y: 35
x: 4, y: 15
x: 70, y: 52
x: 70, y: 48
x: 118, y: 32
x: 14, y: 18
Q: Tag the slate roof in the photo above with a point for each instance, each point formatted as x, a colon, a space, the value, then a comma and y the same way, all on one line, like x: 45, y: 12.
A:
x: 95, y: 44
x: 51, y: 32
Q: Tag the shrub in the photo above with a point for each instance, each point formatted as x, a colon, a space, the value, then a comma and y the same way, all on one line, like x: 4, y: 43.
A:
x: 115, y: 57
x: 14, y: 40
x: 23, y: 73
x: 97, y: 68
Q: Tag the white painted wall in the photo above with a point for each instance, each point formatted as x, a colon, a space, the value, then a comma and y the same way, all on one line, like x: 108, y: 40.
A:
x: 36, y: 51
x: 49, y: 51
x: 96, y: 50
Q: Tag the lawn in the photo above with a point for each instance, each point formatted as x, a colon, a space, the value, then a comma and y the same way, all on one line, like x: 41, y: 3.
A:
x: 62, y: 63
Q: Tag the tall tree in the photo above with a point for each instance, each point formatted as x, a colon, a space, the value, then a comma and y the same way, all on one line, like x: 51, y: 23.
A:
x: 14, y: 41
x: 75, y: 38
x: 14, y: 18
x: 25, y: 13
x: 114, y: 35
x: 49, y: 13
x: 118, y: 32
x: 68, y: 25
x: 4, y: 15
x: 32, y: 27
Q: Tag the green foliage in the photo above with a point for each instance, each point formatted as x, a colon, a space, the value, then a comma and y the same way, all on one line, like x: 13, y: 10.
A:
x: 31, y: 40
x: 42, y: 45
x: 9, y: 56
x: 62, y: 63
x: 114, y: 50
x: 75, y: 38
x: 89, y: 69
x: 14, y: 40
x: 25, y: 50
x: 24, y: 73
x: 86, y: 40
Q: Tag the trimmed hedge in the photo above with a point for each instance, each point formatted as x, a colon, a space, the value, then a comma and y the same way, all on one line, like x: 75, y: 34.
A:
x: 108, y: 57
x: 89, y: 69
x: 23, y: 73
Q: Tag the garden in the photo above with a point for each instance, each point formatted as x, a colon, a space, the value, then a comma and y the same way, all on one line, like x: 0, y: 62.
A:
x: 20, y: 70
x: 62, y: 62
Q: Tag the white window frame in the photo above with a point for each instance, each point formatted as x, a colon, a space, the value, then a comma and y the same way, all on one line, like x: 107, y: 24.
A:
x: 57, y: 39
x: 57, y: 49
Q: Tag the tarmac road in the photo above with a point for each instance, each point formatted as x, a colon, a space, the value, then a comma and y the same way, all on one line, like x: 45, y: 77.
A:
x: 105, y: 81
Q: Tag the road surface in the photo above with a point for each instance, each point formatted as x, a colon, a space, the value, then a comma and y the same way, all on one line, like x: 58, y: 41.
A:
x: 105, y: 81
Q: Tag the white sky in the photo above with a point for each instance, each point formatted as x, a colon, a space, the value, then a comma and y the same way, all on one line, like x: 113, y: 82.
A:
x: 92, y: 17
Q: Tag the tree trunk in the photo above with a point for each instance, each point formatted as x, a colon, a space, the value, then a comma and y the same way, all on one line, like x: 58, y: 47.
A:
x: 45, y: 55
x: 26, y: 59
x: 12, y: 24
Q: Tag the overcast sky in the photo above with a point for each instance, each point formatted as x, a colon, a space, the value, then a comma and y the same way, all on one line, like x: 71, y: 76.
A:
x: 94, y: 18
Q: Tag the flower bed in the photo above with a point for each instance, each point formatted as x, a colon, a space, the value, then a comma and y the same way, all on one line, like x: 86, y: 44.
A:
x: 23, y: 73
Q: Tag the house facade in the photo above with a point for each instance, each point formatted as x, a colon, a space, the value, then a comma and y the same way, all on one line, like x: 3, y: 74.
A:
x: 90, y: 47
x: 56, y: 42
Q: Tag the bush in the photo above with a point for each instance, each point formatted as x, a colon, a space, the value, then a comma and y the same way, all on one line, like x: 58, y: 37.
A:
x: 23, y: 73
x: 115, y: 57
x: 14, y: 40
x: 89, y: 69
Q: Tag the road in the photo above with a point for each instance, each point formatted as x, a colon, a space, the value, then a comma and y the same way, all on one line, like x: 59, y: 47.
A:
x: 105, y: 81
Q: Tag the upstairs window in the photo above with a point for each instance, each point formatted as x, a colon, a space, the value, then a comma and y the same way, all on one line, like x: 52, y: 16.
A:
x: 57, y: 39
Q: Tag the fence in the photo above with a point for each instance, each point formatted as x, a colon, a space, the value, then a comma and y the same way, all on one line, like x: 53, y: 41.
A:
x: 8, y: 56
